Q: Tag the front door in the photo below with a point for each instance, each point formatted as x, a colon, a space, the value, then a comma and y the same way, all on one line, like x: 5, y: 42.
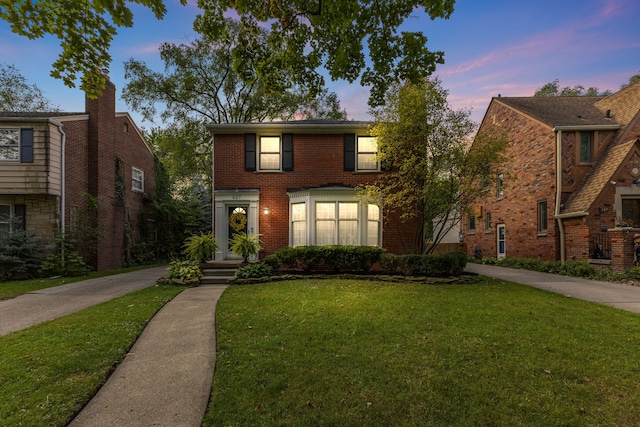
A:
x: 501, y: 244
x: 237, y: 220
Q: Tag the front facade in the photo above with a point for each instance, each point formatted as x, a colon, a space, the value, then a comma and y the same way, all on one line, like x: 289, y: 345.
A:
x: 295, y: 184
x: 571, y: 189
x: 73, y: 173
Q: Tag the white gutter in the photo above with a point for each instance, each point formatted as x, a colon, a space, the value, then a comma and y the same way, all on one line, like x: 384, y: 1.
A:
x: 63, y: 189
x: 213, y: 193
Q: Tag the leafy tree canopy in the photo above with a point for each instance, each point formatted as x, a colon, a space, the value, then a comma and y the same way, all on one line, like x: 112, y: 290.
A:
x: 553, y: 89
x: 632, y: 79
x: 85, y: 29
x: 305, y: 35
x: 199, y: 82
x: 17, y: 95
x: 432, y: 176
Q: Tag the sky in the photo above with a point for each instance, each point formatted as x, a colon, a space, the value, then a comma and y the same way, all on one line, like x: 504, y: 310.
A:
x: 491, y: 47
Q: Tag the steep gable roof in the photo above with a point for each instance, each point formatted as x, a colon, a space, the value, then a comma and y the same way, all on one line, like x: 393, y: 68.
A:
x: 623, y: 105
x: 559, y: 110
x: 598, y: 177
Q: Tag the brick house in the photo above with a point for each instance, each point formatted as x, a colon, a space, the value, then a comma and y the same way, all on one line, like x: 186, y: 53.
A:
x: 71, y: 171
x: 572, y: 188
x: 295, y: 184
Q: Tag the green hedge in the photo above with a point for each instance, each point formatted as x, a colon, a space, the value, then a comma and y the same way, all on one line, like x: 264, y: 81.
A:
x: 325, y: 258
x: 362, y: 258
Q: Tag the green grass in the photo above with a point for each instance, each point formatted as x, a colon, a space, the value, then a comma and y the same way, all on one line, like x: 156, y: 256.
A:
x: 356, y: 353
x: 16, y: 288
x: 50, y: 371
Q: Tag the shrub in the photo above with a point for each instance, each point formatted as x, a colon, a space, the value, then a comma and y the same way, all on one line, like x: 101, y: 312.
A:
x: 390, y: 263
x: 329, y: 257
x: 185, y: 271
x: 249, y: 271
x: 19, y: 256
x: 451, y: 264
x: 200, y: 247
x: 245, y: 246
x: 65, y: 260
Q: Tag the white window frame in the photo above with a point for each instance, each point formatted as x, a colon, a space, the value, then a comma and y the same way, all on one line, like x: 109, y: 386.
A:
x: 135, y: 180
x: 360, y: 151
x: 4, y: 144
x: 333, y: 196
x: 260, y: 152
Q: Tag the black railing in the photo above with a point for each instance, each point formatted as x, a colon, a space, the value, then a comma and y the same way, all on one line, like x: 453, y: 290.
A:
x: 600, y: 245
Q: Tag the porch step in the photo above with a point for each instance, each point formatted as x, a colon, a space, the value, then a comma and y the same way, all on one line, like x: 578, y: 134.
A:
x: 218, y: 272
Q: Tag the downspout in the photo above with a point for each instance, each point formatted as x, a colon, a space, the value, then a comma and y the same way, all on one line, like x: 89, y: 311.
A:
x: 63, y: 190
x: 213, y: 193
x: 559, y: 194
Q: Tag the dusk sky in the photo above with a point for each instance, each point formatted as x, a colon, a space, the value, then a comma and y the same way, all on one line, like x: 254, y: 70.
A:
x: 507, y: 47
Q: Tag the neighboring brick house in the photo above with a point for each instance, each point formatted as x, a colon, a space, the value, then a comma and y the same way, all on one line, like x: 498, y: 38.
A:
x: 55, y: 165
x: 571, y: 189
x: 294, y: 183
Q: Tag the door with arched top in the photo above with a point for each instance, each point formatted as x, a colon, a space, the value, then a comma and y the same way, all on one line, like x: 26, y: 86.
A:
x: 237, y: 221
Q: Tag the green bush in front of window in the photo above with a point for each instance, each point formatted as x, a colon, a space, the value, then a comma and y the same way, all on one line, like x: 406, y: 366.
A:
x: 325, y: 258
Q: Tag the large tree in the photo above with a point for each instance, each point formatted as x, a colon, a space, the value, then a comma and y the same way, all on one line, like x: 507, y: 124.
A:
x: 17, y: 95
x: 198, y: 86
x: 553, y: 89
x: 431, y: 175
x: 85, y: 29
x: 308, y: 34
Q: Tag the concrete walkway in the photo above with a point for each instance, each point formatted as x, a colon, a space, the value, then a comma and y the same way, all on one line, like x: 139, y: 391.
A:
x: 165, y: 380
x: 624, y: 297
x: 48, y: 304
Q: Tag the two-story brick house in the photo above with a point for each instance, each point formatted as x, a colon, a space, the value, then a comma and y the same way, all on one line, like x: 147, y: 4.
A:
x: 53, y: 165
x: 294, y: 183
x: 572, y: 187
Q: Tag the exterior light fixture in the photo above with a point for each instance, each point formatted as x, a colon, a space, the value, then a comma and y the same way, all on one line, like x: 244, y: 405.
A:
x: 265, y: 210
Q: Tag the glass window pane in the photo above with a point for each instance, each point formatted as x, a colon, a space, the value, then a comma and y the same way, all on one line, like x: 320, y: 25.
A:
x: 298, y: 212
x: 9, y: 153
x: 367, y: 144
x: 367, y: 162
x: 325, y: 210
x: 269, y: 144
x: 348, y: 233
x: 585, y: 147
x: 325, y: 232
x: 373, y: 233
x: 299, y: 237
x: 348, y: 210
x: 373, y: 212
x: 270, y: 161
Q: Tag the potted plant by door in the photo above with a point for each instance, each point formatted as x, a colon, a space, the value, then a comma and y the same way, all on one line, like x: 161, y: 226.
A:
x: 245, y: 246
x: 200, y: 247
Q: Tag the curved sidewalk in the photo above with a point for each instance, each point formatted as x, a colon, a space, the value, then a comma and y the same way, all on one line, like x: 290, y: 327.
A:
x: 624, y: 297
x: 165, y: 380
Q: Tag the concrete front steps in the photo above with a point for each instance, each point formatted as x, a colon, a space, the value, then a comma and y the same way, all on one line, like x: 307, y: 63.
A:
x: 218, y: 272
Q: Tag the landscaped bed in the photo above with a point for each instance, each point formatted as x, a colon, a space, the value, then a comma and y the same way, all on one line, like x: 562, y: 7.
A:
x: 355, y: 352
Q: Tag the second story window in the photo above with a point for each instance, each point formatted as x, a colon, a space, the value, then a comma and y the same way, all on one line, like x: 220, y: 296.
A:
x: 367, y: 150
x: 586, y: 147
x: 137, y: 180
x: 500, y: 186
x: 471, y: 223
x: 269, y: 153
x: 9, y: 144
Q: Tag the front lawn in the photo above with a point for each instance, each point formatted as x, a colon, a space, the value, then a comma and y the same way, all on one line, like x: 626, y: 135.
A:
x: 356, y: 353
x: 48, y: 372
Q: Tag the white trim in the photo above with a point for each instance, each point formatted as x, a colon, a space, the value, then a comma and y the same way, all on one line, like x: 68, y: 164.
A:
x: 134, y: 180
x: 222, y: 199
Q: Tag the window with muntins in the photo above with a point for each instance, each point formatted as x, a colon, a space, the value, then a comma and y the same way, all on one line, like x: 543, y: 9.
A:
x: 269, y: 153
x: 298, y: 224
x: 5, y: 219
x: 137, y: 180
x: 373, y: 225
x: 487, y: 221
x: 542, y: 216
x: 500, y: 186
x: 367, y: 152
x: 10, y: 144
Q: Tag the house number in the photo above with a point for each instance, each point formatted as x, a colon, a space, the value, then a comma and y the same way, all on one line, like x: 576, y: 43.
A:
x: 236, y: 197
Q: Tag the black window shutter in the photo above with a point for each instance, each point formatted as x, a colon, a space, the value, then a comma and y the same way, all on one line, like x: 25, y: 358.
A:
x: 20, y: 213
x: 249, y: 151
x: 26, y: 145
x: 287, y: 151
x: 349, y: 151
